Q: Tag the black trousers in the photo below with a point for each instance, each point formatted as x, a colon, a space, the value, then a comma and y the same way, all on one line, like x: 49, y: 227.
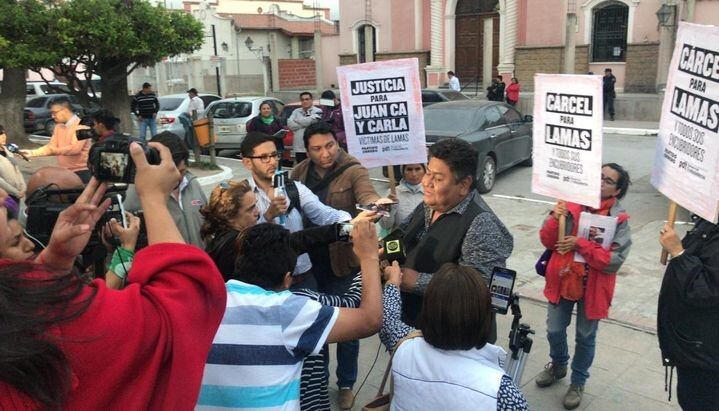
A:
x: 697, y: 390
x: 609, y: 104
x: 84, y: 175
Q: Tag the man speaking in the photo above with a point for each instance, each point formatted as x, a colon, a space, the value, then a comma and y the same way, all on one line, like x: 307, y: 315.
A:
x: 452, y: 225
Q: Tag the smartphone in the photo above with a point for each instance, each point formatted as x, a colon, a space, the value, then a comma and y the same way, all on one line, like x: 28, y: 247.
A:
x: 122, y: 211
x: 501, y: 286
x: 279, y: 179
x: 343, y: 232
x: 381, y: 209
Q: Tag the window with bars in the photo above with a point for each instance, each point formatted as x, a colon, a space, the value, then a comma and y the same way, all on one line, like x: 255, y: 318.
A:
x: 609, y: 37
x: 361, y: 43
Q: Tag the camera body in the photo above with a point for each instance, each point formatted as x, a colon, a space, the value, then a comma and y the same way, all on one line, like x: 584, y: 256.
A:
x: 110, y: 160
x: 87, y: 133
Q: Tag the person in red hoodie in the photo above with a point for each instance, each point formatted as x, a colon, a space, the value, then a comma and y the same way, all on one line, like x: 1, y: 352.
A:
x: 589, y: 285
x: 69, y: 345
x: 513, y: 92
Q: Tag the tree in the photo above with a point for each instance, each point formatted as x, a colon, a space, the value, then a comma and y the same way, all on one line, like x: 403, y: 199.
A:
x: 22, y: 30
x: 111, y: 38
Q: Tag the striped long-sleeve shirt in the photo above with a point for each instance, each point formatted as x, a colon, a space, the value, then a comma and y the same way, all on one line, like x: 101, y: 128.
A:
x: 145, y: 105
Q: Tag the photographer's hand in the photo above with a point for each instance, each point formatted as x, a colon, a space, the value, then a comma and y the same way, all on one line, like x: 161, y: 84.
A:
x: 154, y: 184
x: 365, y: 215
x: 73, y: 228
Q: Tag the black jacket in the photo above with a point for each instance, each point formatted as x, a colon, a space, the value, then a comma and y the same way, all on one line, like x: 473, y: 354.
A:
x: 688, y: 310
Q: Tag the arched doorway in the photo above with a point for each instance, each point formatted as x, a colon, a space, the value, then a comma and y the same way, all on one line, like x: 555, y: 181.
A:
x: 469, y: 38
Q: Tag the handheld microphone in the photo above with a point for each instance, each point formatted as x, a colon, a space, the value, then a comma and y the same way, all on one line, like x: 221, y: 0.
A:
x: 278, y: 182
x: 13, y: 148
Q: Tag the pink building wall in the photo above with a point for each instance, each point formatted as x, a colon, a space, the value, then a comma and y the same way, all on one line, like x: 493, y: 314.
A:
x: 402, y: 17
x: 706, y: 12
x: 539, y: 32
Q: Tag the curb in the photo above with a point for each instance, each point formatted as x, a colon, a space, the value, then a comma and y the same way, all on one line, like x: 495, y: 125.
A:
x: 226, y: 174
x: 630, y: 131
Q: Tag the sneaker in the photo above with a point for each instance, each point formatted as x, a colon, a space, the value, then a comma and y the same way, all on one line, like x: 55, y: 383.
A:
x: 347, y: 398
x: 552, y: 372
x: 573, y: 397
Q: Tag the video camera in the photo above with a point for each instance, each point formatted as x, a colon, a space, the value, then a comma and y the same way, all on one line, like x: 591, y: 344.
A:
x: 87, y: 133
x: 110, y: 160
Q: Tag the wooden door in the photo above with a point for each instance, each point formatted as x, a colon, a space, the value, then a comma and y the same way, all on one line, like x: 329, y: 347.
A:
x: 469, y: 45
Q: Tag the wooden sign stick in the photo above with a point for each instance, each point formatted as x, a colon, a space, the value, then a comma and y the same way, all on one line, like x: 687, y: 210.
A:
x: 562, y: 226
x: 392, y: 180
x: 670, y: 220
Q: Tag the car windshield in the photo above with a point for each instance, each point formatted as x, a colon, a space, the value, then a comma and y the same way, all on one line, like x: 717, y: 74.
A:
x: 36, y: 102
x: 170, y: 103
x: 56, y: 89
x: 449, y: 120
x: 455, y: 95
x: 231, y: 109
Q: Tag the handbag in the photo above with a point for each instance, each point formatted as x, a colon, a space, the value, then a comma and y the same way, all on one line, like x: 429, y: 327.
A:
x: 541, y: 266
x: 382, y: 401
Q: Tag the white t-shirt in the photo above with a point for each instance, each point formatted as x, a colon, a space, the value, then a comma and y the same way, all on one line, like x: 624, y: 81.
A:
x: 196, y: 103
x: 256, y: 357
x: 454, y: 83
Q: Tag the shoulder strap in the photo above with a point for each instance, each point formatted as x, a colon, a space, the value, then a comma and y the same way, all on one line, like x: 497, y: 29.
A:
x: 294, y: 195
x: 329, y: 177
x: 413, y: 334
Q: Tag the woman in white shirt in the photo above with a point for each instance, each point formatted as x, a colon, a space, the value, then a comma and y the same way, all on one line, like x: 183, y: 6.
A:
x: 451, y: 366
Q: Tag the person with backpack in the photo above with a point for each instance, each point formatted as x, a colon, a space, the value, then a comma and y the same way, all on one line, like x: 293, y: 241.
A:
x: 261, y: 158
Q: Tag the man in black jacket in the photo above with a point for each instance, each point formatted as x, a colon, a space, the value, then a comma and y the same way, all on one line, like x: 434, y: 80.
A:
x: 608, y: 92
x: 687, y: 315
x: 145, y: 107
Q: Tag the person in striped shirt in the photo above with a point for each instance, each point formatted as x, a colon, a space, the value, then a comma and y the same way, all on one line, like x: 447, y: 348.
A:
x: 257, y: 354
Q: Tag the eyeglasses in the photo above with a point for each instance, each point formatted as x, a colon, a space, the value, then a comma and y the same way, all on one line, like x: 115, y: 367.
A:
x: 608, y: 181
x: 265, y: 158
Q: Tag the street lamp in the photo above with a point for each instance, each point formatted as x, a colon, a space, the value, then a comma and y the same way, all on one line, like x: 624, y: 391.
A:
x: 224, y: 46
x: 259, y: 51
x: 665, y: 14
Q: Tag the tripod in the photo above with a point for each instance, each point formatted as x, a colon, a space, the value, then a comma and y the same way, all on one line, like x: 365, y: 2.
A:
x: 520, y: 343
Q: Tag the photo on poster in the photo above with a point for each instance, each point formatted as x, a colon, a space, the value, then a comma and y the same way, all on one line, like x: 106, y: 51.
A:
x: 597, y: 229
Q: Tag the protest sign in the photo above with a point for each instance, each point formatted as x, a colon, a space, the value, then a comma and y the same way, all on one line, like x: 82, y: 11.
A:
x: 382, y: 110
x: 687, y: 153
x: 567, y: 134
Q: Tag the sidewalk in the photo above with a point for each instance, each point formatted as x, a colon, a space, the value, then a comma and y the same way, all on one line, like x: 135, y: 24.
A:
x: 629, y: 127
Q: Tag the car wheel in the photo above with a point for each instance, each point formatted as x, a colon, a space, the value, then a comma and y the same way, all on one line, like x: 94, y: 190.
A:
x: 486, y: 175
x: 528, y: 162
x: 49, y: 127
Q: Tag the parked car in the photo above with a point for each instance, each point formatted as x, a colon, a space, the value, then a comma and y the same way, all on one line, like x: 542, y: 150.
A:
x: 501, y: 135
x: 432, y: 96
x: 231, y: 115
x: 174, y: 105
x: 40, y: 88
x: 37, y: 117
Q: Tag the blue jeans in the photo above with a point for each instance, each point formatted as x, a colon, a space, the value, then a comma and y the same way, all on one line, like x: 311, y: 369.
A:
x: 347, y: 354
x: 147, y: 122
x: 559, y: 316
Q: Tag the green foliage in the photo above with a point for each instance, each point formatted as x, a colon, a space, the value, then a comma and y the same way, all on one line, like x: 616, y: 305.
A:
x: 23, y: 31
x: 96, y: 32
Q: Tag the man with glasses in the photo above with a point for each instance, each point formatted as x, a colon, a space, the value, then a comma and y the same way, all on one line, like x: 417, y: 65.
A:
x: 71, y: 153
x: 261, y: 158
x: 299, y: 120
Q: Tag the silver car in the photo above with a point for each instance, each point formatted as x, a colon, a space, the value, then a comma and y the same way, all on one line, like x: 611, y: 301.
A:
x: 230, y: 116
x: 172, y: 106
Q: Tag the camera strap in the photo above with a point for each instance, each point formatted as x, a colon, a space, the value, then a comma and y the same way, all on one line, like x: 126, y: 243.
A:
x: 329, y: 177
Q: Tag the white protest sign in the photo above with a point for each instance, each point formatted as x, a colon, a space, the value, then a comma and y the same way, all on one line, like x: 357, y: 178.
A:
x: 382, y: 109
x: 567, y: 134
x: 685, y: 163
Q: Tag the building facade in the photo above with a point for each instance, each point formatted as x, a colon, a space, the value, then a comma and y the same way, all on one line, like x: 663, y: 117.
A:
x: 479, y: 39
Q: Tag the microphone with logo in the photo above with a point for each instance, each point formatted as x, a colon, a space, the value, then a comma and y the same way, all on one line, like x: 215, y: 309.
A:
x: 394, y: 247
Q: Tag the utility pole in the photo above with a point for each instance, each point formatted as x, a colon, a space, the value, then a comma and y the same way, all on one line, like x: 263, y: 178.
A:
x: 217, y: 64
x: 570, y: 41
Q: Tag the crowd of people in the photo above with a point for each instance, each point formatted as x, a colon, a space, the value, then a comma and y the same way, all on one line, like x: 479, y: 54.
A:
x: 231, y: 302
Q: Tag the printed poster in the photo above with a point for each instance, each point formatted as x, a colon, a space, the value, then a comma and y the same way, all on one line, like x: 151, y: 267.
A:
x: 596, y: 228
x: 685, y: 161
x: 567, y: 137
x: 382, y: 109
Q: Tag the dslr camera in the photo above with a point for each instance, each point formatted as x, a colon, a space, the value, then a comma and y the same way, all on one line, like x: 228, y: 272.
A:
x: 110, y: 160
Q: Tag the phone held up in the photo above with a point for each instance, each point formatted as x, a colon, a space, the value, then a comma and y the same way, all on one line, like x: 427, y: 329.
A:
x: 501, y: 286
